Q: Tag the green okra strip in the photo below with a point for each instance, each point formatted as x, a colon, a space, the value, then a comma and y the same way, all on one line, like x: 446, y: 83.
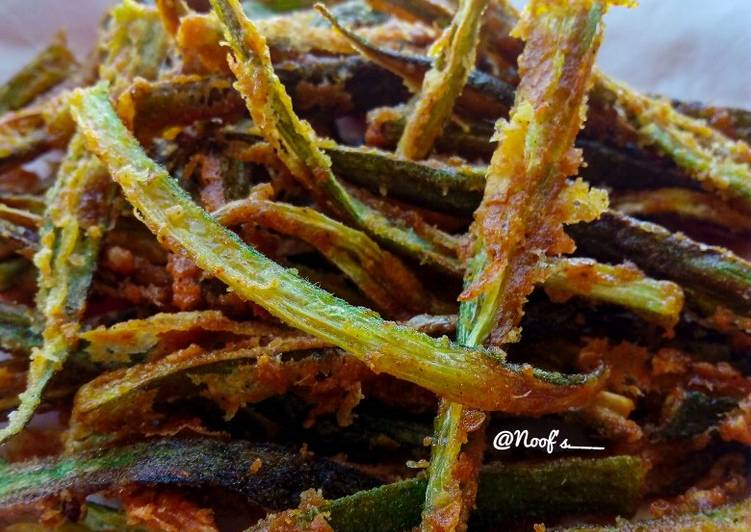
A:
x: 654, y: 300
x: 444, y: 82
x: 143, y: 336
x: 607, y: 164
x: 180, y: 462
x: 48, y: 68
x: 519, y: 222
x: 295, y: 144
x: 429, y: 184
x: 719, y: 163
x: 464, y: 375
x: 734, y: 517
x: 483, y: 95
x: 600, y: 485
x: 149, y: 107
x: 20, y: 217
x: 734, y: 122
x: 134, y: 44
x: 528, y: 197
x: 381, y: 276
x: 27, y: 202
x: 683, y: 203
x: 709, y: 270
x: 74, y: 224
x: 624, y: 285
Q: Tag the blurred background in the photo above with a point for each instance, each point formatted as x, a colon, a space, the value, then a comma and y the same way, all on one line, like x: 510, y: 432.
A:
x: 688, y: 49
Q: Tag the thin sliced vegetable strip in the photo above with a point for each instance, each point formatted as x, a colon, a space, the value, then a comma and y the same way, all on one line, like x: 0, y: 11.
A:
x: 123, y: 340
x: 444, y: 81
x: 720, y: 164
x: 74, y: 224
x: 188, y: 462
x: 595, y: 485
x: 79, y: 210
x: 382, y: 277
x: 685, y: 204
x: 47, y: 69
x: 525, y: 203
x: 703, y: 269
x: 521, y: 217
x: 474, y: 377
x: 656, y: 301
x: 295, y: 144
x: 258, y: 373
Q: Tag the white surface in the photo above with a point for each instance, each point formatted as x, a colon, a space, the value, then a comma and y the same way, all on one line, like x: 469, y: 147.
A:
x: 690, y: 49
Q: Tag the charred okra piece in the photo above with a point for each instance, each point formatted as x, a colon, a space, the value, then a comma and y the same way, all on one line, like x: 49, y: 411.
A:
x: 190, y: 463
